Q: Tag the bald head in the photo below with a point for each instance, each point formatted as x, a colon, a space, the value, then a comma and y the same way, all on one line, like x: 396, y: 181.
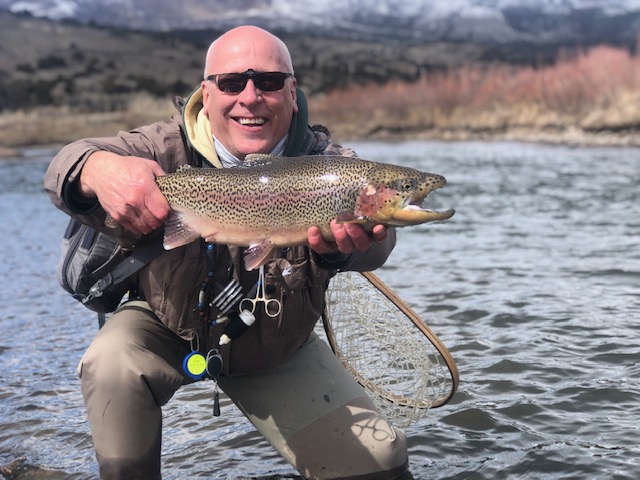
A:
x: 249, y: 119
x: 230, y: 49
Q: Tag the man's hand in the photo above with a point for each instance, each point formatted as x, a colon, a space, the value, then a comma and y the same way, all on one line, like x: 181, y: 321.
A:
x: 126, y: 189
x: 349, y: 237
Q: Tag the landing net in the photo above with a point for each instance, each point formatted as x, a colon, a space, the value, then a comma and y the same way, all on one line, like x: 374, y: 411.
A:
x: 388, y: 348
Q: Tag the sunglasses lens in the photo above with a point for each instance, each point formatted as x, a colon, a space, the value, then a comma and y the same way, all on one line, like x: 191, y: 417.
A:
x: 269, y: 82
x: 232, y: 82
x: 236, y: 82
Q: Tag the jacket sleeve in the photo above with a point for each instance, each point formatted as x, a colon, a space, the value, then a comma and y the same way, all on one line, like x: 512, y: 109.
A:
x: 373, y: 258
x: 159, y: 142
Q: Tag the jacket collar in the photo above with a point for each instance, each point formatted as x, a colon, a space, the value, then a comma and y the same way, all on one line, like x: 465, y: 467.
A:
x: 198, y: 128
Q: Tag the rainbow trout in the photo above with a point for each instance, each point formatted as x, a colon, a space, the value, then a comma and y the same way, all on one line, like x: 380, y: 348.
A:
x: 273, y: 201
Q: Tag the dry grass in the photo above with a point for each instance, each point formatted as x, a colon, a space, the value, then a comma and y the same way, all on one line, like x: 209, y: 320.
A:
x: 595, y: 92
x: 50, y: 125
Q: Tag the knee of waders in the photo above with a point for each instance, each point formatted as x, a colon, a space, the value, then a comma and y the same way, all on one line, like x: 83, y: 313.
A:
x: 353, y: 441
x: 120, y: 343
x: 136, y: 355
x: 106, y: 351
x: 387, y: 456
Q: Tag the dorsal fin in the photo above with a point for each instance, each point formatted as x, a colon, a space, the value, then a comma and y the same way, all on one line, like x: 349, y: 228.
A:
x: 257, y: 159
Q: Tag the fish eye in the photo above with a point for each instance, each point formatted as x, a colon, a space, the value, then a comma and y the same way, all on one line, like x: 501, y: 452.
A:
x: 407, y: 184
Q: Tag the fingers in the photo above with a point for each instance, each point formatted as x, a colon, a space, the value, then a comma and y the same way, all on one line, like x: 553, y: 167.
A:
x: 141, y: 210
x: 319, y: 244
x: 349, y: 238
x: 379, y: 233
x: 140, y: 220
x: 157, y: 208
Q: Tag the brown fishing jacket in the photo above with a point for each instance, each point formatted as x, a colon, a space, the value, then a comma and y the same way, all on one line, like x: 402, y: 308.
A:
x: 172, y: 283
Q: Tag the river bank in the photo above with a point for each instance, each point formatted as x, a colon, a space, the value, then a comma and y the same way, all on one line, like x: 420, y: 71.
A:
x: 569, y: 136
x: 18, y: 130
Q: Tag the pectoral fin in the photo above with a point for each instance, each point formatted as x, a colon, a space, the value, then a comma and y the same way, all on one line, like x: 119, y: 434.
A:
x: 177, y: 233
x: 257, y: 255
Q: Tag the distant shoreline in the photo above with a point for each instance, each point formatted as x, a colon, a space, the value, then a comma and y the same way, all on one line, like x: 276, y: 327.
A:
x: 569, y: 136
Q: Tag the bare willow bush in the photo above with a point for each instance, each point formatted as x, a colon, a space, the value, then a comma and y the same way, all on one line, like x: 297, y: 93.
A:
x: 496, y: 97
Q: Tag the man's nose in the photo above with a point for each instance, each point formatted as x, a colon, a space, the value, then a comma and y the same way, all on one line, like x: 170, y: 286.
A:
x: 250, y: 94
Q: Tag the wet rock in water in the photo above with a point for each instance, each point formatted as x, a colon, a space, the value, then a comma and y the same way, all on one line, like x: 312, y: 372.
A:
x: 8, y: 152
x: 19, y: 469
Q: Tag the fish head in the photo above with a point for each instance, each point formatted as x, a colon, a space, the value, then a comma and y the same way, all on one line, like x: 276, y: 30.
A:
x: 393, y: 196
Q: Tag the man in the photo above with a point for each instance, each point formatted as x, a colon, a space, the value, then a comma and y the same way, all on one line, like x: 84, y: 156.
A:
x: 280, y: 375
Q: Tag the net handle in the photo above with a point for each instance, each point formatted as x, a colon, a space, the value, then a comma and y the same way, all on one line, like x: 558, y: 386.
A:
x: 376, y: 282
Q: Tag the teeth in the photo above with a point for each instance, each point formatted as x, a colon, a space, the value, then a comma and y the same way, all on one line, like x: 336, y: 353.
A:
x: 251, y: 121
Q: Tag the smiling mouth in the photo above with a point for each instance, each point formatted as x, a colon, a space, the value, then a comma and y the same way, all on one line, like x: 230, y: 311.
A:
x: 251, y: 122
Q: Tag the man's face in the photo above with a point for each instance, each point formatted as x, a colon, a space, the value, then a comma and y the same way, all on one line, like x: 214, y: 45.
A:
x: 252, y: 121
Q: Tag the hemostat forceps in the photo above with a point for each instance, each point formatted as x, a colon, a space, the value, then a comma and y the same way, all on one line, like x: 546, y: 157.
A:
x: 272, y: 307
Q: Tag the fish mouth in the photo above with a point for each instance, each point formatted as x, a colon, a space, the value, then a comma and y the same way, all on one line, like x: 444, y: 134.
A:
x: 413, y: 213
x: 414, y: 209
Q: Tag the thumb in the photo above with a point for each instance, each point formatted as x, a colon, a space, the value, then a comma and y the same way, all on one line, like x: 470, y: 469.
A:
x: 156, y: 169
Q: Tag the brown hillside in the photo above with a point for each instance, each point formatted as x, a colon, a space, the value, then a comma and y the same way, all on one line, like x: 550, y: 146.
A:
x: 62, y: 81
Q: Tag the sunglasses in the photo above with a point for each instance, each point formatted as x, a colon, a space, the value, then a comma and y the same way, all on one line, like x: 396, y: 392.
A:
x: 236, y: 82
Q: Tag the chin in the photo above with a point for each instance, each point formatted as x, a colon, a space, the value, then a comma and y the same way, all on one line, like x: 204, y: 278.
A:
x: 254, y: 147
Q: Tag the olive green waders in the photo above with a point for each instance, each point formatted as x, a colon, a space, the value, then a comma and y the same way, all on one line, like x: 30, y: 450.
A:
x: 310, y: 409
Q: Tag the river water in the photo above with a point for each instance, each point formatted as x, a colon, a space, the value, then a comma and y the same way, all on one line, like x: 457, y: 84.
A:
x: 534, y: 285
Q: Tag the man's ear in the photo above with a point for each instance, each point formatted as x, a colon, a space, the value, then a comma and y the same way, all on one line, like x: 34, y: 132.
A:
x: 205, y: 98
x: 294, y: 95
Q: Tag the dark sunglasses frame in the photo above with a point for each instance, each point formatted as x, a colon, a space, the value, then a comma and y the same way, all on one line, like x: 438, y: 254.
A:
x: 237, y: 82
